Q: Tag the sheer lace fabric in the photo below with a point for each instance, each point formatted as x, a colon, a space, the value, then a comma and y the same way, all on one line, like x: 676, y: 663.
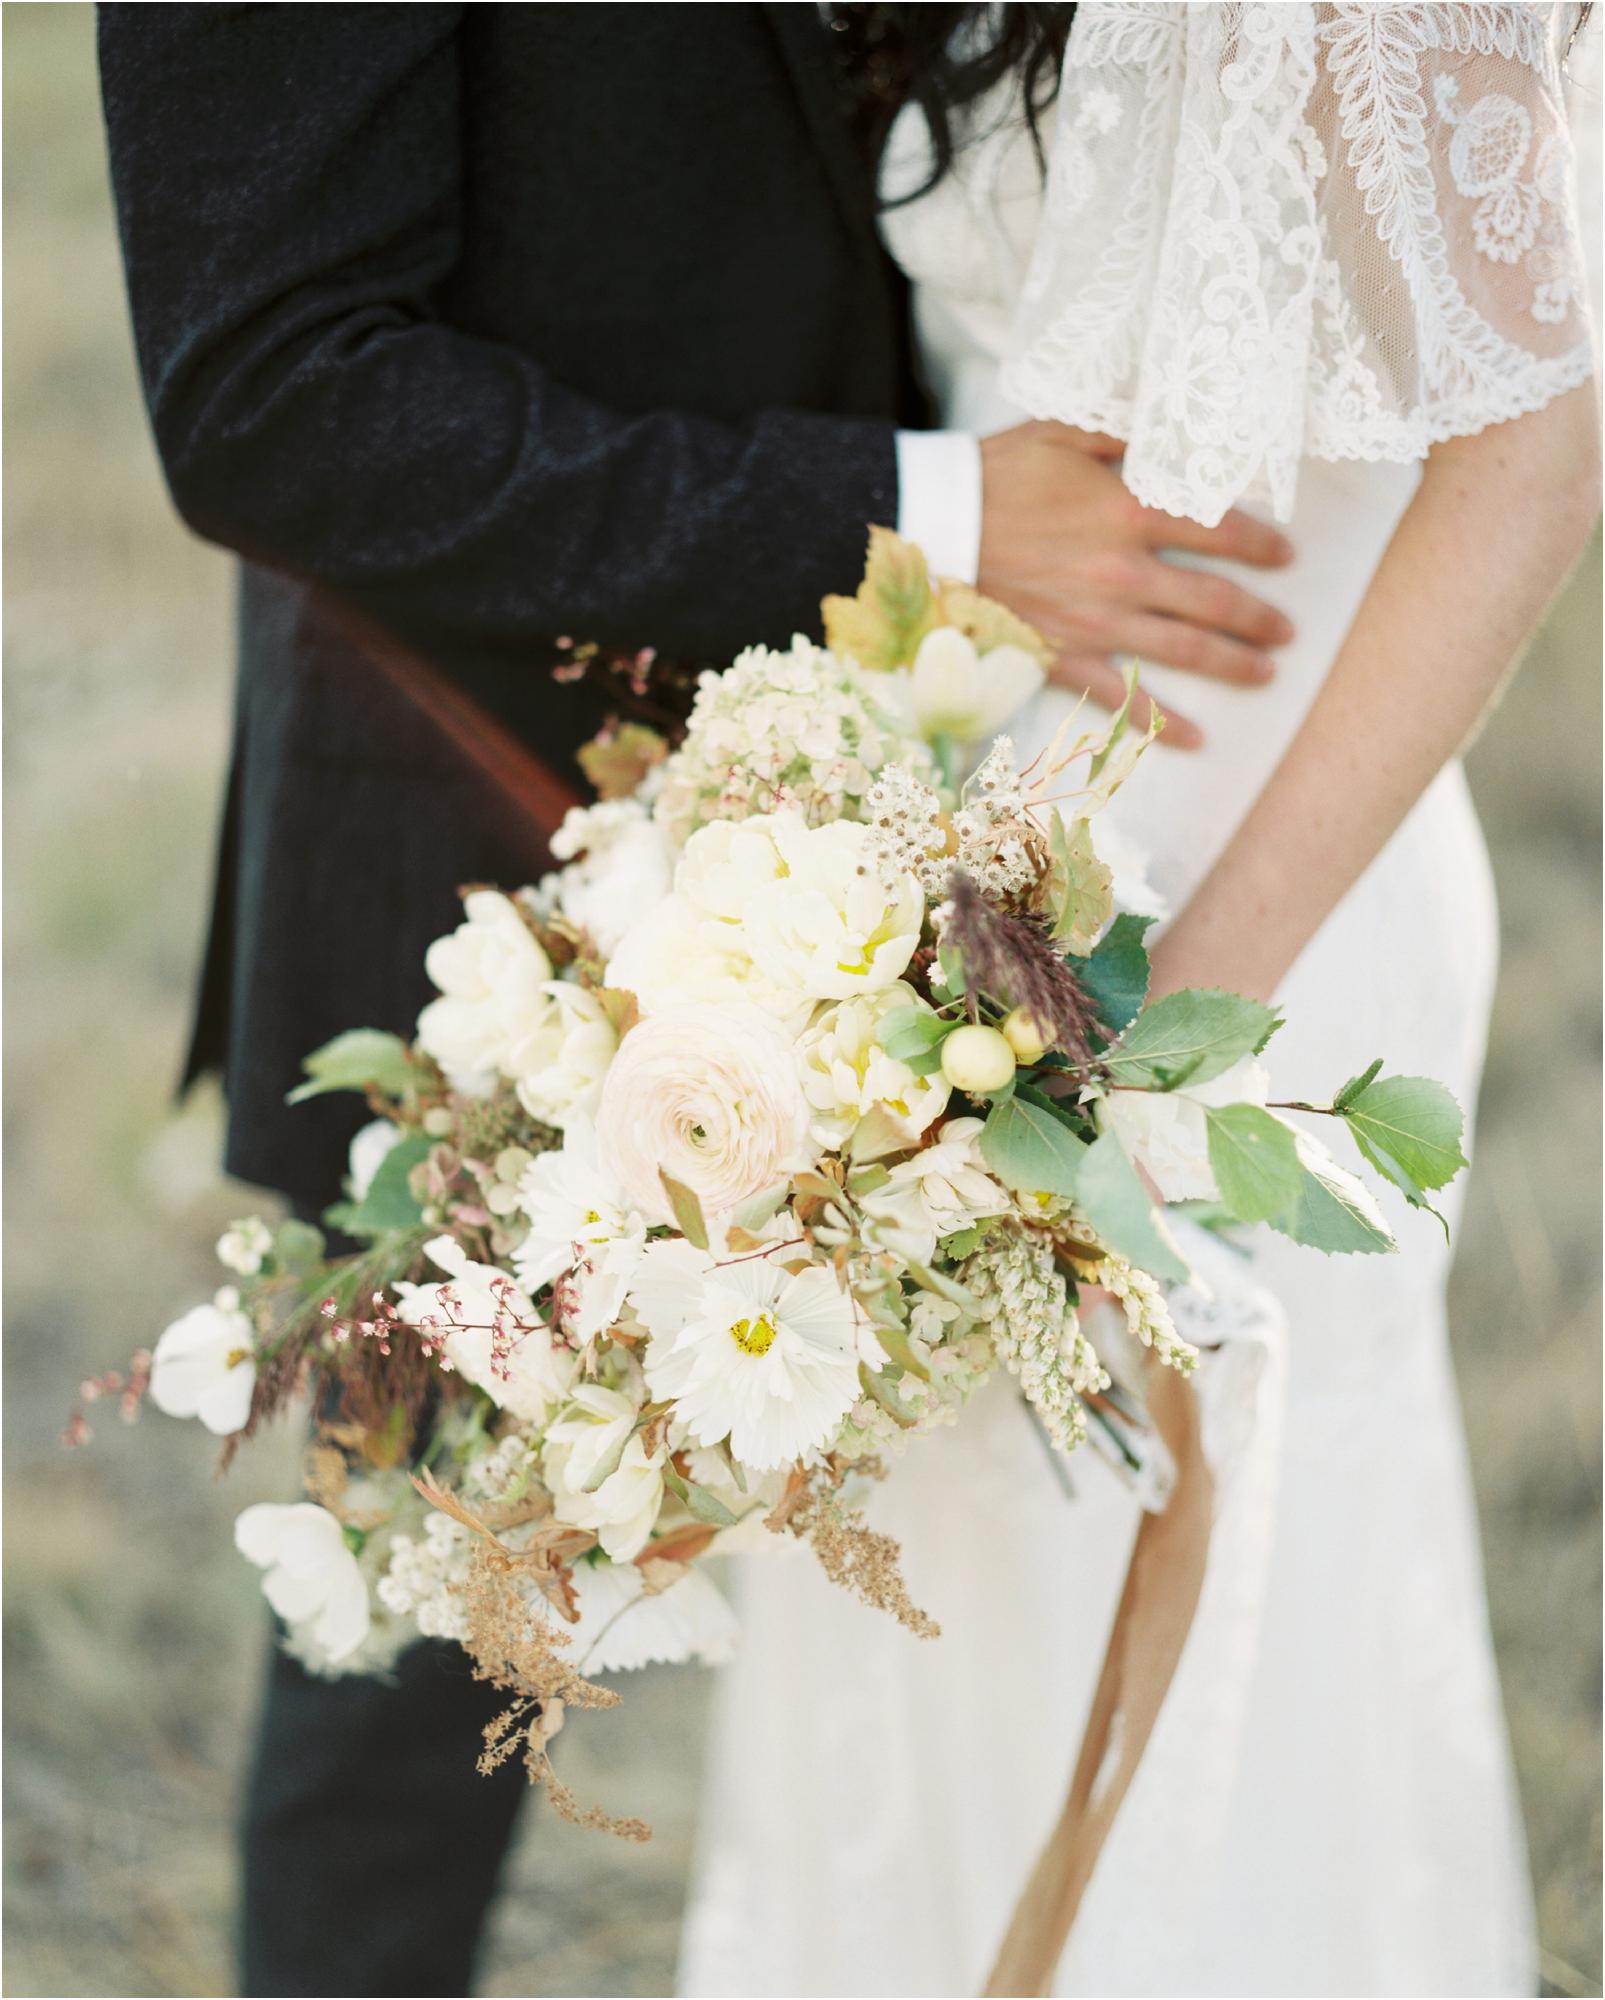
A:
x: 1279, y: 231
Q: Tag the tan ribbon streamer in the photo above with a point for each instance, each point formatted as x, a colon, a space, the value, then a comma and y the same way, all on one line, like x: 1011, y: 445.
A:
x: 1155, y: 1614
x: 1166, y: 1571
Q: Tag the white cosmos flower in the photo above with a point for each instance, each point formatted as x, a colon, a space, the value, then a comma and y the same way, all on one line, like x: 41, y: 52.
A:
x: 312, y: 1579
x: 620, y: 863
x: 846, y: 1074
x: 708, y: 1096
x: 561, y: 1058
x: 833, y: 926
x: 203, y: 1367
x: 492, y: 977
x: 1165, y: 1131
x: 749, y: 1351
x: 581, y: 1222
x: 958, y: 692
x: 622, y: 1625
x: 369, y: 1150
x: 597, y: 1431
x: 538, y: 1371
x: 943, y: 1188
x: 243, y: 1246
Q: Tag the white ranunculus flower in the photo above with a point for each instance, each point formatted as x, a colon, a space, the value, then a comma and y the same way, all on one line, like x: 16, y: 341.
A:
x: 312, y: 1578
x: 369, y: 1150
x: 710, y: 1097
x: 203, y: 1367
x: 538, y: 1370
x: 942, y: 1188
x: 559, y: 1062
x: 846, y: 1074
x: 755, y: 1353
x: 625, y: 1504
x: 493, y: 979
x: 833, y: 926
x: 620, y: 863
x: 244, y: 1245
x: 1166, y: 1134
x: 958, y: 692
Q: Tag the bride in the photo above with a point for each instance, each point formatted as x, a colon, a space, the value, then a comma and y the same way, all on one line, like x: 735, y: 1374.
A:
x: 1320, y: 262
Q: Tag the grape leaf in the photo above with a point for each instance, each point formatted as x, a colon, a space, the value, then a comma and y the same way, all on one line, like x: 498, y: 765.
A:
x: 1190, y: 1036
x: 1115, y: 1202
x: 882, y: 625
x: 360, y: 1059
x: 1115, y: 976
x: 1030, y: 1149
x: 1254, y: 1157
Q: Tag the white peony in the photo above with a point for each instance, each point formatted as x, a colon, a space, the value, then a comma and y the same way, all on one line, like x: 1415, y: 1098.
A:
x: 204, y: 1367
x: 708, y: 1096
x: 620, y: 863
x: 244, y: 1246
x: 943, y: 1188
x: 559, y: 1061
x: 846, y: 1075
x: 369, y: 1150
x: 312, y: 1579
x: 956, y: 691
x: 752, y: 1352
x: 493, y: 978
x: 833, y: 925
x: 1165, y: 1131
x: 537, y: 1370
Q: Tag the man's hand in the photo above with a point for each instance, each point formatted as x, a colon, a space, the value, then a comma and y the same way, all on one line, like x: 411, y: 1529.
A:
x: 1067, y: 547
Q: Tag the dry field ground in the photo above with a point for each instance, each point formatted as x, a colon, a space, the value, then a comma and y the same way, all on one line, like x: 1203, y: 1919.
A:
x: 133, y: 1637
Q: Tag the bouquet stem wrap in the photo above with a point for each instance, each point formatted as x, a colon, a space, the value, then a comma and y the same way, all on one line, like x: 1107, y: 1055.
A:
x: 1154, y: 1616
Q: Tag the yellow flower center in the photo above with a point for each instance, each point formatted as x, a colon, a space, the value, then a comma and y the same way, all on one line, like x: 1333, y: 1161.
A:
x: 754, y: 1336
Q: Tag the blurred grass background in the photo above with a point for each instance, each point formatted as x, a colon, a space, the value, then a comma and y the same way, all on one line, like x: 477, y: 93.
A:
x: 133, y: 1635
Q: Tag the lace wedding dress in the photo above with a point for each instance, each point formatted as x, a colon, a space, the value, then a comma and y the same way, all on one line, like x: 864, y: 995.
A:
x: 1281, y: 251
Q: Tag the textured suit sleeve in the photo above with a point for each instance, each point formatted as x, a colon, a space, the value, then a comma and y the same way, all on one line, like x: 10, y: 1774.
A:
x: 287, y: 185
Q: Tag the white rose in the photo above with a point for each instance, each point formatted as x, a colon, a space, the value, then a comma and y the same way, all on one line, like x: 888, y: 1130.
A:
x: 958, y: 692
x: 204, y: 1367
x: 710, y: 1096
x: 1165, y: 1131
x: 492, y: 977
x: 370, y: 1148
x: 832, y: 926
x: 846, y: 1074
x: 533, y: 1374
x: 619, y: 864
x: 560, y: 1060
x: 312, y: 1578
x: 679, y: 956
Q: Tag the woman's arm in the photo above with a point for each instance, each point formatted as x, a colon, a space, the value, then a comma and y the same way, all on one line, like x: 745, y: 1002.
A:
x: 1497, y: 522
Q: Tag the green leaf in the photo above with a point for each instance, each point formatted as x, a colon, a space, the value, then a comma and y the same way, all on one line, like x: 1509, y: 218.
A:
x: 706, y: 1506
x: 1083, y: 886
x: 1115, y: 976
x: 1190, y: 1036
x: 910, y: 1031
x: 1334, y: 1210
x: 687, y: 1211
x: 881, y: 626
x: 1254, y: 1157
x: 1030, y: 1149
x: 1355, y: 1085
x: 298, y: 1248
x: 1409, y: 1128
x: 1113, y: 1199
x: 389, y: 1203
x: 610, y: 1461
x: 361, y: 1059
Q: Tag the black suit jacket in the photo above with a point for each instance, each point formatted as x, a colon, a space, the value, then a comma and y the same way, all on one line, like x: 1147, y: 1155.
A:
x: 496, y: 323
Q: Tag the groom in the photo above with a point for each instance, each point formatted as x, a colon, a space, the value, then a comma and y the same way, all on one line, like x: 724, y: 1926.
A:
x: 494, y: 324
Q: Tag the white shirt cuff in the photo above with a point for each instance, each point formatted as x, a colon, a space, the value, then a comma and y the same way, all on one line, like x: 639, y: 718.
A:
x: 939, y: 499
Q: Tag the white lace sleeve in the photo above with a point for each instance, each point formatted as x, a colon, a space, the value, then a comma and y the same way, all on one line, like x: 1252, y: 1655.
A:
x: 1280, y: 230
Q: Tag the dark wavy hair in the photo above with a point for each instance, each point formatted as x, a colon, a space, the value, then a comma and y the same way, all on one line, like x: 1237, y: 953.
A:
x: 944, y: 58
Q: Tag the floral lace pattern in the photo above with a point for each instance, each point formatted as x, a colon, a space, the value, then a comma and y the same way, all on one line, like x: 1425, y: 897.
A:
x: 1347, y: 231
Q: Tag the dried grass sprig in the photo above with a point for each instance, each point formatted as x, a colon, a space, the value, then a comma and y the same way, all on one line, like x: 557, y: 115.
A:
x: 1013, y: 958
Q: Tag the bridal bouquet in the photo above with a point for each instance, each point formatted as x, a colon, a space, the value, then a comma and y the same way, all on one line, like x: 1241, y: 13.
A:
x: 818, y: 1083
